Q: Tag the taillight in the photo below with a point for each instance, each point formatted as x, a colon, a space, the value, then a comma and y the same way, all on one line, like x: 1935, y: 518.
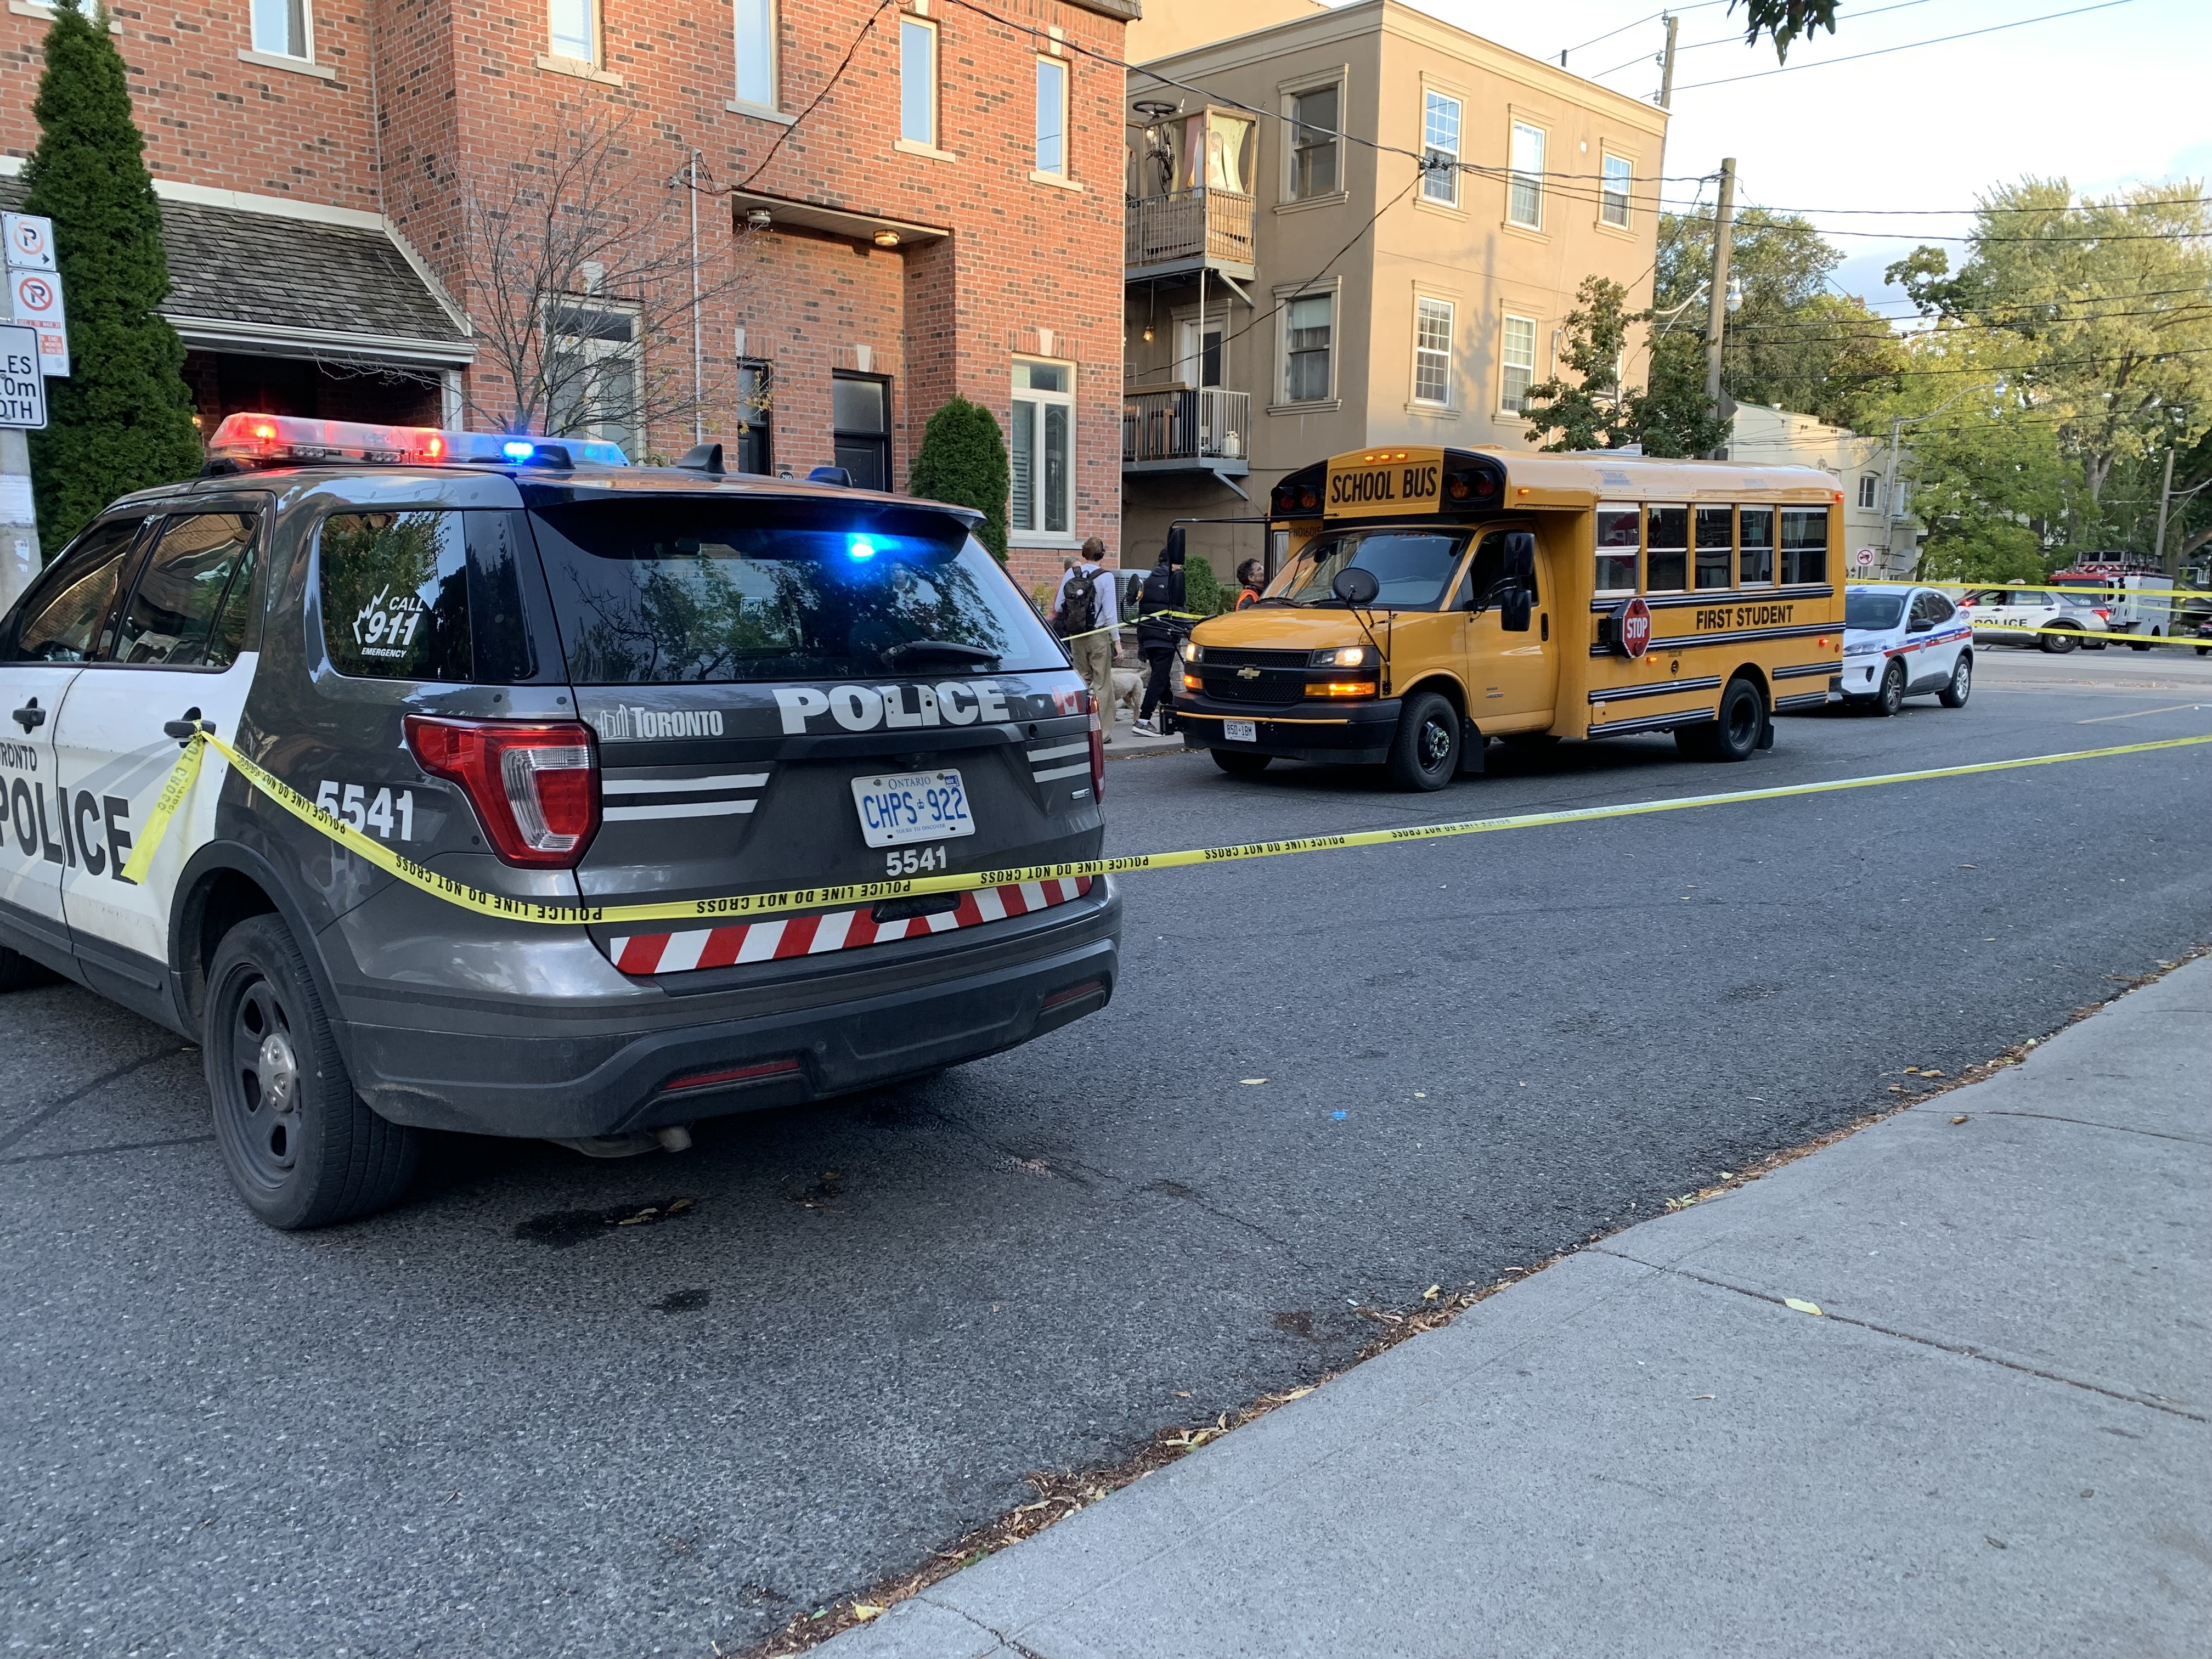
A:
x: 534, y: 785
x: 1097, y: 750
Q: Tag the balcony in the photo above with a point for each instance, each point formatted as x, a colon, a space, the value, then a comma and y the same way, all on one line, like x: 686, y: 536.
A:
x: 1183, y: 429
x: 1188, y: 231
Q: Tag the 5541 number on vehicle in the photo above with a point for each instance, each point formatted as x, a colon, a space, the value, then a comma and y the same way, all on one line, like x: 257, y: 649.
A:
x: 388, y: 815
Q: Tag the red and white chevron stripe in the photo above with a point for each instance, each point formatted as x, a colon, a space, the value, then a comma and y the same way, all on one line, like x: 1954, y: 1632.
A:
x: 836, y: 930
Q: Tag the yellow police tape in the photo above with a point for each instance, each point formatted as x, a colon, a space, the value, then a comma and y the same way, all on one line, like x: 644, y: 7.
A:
x: 2086, y: 636
x: 2087, y: 587
x: 752, y: 906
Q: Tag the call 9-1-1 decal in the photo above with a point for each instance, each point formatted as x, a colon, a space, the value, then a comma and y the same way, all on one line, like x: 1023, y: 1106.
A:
x: 73, y: 828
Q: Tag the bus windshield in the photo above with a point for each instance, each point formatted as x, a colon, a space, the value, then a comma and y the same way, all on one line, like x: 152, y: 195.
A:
x: 1411, y: 566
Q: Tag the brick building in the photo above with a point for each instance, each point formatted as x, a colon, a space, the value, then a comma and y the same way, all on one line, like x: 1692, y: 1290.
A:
x: 942, y: 214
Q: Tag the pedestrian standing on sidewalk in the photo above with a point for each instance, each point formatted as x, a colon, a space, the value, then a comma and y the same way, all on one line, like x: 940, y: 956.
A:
x: 1159, y: 634
x: 1086, y: 613
x: 1251, y: 578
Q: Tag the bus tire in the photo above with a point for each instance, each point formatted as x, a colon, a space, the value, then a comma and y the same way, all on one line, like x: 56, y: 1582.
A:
x: 1733, y: 734
x: 1240, y: 763
x: 1425, y: 753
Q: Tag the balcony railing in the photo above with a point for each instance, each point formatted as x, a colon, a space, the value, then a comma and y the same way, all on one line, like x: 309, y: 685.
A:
x: 1190, y: 227
x: 1202, y: 429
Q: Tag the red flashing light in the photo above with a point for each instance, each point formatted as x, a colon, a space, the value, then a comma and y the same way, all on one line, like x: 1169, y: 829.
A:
x: 275, y: 439
x: 534, y: 785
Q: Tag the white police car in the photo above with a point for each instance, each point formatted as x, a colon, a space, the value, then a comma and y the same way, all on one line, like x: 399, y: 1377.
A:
x: 1900, y: 640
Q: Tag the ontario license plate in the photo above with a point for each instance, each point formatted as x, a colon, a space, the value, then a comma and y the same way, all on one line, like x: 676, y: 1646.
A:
x: 908, y: 806
x: 1240, y: 731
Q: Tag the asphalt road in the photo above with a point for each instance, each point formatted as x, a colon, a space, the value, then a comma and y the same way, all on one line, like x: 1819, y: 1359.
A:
x: 489, y: 1424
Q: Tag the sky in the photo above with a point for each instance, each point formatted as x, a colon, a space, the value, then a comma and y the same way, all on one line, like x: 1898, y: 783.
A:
x: 2103, y: 98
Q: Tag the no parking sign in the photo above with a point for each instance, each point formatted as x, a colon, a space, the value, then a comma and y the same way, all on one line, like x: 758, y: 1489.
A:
x: 36, y: 296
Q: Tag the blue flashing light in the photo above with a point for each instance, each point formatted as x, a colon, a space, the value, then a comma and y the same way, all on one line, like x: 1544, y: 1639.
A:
x: 517, y: 449
x: 861, y: 548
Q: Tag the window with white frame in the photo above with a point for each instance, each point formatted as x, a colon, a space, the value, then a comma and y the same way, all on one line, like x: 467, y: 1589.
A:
x: 755, y: 24
x: 918, y: 81
x: 1619, y: 173
x: 1051, y: 115
x: 1315, y: 144
x: 1043, y: 452
x: 1309, y: 335
x: 1870, y: 490
x: 1432, y: 349
x: 593, y: 360
x: 1517, y: 358
x: 1524, y: 190
x: 280, y: 27
x: 572, y: 29
x: 1440, y: 148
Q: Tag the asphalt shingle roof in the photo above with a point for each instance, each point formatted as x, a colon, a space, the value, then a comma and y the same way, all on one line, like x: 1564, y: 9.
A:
x: 232, y: 265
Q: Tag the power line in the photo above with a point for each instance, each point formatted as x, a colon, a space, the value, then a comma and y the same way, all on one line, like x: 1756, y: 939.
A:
x: 1909, y: 45
x: 1734, y: 39
x: 1702, y: 5
x: 828, y: 86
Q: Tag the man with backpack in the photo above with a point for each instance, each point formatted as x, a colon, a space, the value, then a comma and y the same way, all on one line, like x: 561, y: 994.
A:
x: 1085, y: 614
x: 1159, y: 635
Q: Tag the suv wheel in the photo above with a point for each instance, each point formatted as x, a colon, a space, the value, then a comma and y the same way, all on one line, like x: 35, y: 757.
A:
x: 2059, y: 638
x: 1734, y: 735
x: 1961, y: 684
x: 1424, y: 753
x: 302, y: 1148
x: 1891, y: 698
x: 18, y: 970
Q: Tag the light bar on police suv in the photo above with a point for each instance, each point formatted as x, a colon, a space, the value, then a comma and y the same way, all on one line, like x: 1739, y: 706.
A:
x: 292, y: 440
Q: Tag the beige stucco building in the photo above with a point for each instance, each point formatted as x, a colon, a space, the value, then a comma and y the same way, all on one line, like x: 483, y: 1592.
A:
x: 1299, y: 286
x: 1875, y: 483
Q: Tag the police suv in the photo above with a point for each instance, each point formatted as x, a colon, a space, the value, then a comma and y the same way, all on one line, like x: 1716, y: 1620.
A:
x: 560, y: 679
x: 1899, y: 641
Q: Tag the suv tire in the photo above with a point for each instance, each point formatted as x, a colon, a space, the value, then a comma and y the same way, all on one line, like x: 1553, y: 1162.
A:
x: 1960, y: 686
x: 2059, y: 638
x: 302, y: 1149
x: 1240, y: 763
x: 1733, y: 734
x: 1425, y: 753
x: 1891, y: 697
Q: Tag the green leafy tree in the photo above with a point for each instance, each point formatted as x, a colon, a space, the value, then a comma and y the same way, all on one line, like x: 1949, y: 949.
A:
x: 1784, y: 22
x: 122, y: 418
x: 2109, y: 303
x: 1792, y: 342
x: 1670, y: 415
x: 1203, y: 594
x: 964, y: 461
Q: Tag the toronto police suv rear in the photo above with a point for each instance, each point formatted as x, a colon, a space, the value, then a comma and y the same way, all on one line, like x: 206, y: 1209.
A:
x: 559, y: 680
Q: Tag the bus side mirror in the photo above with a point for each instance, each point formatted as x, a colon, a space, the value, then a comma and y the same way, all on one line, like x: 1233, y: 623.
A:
x: 1514, y: 604
x: 1356, y: 587
x: 1520, y: 552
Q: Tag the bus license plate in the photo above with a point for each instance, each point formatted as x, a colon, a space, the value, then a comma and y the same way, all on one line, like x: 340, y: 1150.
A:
x: 897, y: 808
x: 1240, y: 731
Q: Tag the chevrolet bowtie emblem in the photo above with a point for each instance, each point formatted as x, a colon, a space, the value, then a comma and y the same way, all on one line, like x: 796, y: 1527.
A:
x: 1248, y: 673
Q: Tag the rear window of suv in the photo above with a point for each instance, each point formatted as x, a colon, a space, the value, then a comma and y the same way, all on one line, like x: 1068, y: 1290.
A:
x: 425, y: 596
x: 704, y: 590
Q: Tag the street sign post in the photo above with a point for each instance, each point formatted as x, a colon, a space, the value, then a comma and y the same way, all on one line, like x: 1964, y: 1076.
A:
x: 22, y: 388
x: 1864, y: 558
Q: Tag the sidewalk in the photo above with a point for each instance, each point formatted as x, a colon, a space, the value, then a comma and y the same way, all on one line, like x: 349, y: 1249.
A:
x: 1995, y: 1439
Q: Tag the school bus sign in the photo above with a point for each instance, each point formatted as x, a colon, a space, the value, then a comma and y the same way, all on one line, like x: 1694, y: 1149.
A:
x: 1372, y: 482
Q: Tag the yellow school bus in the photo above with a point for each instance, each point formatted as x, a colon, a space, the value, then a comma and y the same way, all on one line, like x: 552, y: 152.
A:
x: 1426, y: 601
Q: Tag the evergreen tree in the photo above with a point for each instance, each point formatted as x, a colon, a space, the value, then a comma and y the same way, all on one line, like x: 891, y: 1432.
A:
x: 964, y: 461
x: 122, y: 418
x: 1202, y: 592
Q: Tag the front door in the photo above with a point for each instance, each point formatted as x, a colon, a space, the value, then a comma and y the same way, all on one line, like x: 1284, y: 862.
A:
x: 179, y: 645
x: 1511, y: 675
x: 56, y: 626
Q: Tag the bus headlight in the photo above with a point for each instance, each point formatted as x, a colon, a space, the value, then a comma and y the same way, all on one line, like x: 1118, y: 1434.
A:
x: 1193, y: 651
x: 1346, y: 656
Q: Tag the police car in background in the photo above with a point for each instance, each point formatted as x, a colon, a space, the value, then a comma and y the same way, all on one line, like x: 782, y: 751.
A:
x: 1899, y: 641
x: 550, y: 676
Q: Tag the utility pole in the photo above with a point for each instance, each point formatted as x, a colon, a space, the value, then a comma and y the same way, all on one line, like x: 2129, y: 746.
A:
x: 1666, y: 66
x: 2165, y: 491
x: 1716, y: 304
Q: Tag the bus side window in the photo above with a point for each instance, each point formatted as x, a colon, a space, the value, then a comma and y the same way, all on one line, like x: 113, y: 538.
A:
x: 1716, y: 545
x: 1804, y: 543
x: 1620, y: 540
x: 1667, y: 549
x: 1757, y: 525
